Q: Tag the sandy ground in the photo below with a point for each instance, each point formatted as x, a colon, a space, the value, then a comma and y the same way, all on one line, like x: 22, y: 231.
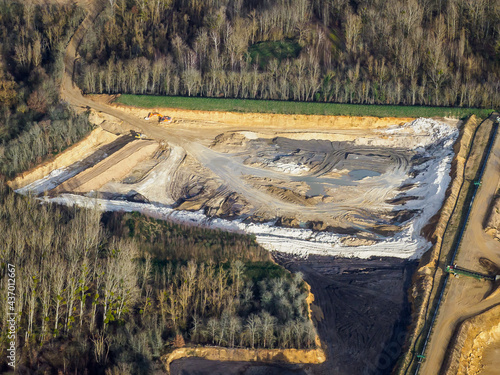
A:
x: 491, y: 359
x: 365, y: 328
x: 466, y: 297
x: 343, y: 183
x: 114, y: 167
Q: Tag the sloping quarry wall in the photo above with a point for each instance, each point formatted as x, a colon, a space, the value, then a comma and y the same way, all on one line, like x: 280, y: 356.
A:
x: 472, y: 338
x: 435, y: 230
x: 97, y: 138
x: 492, y: 226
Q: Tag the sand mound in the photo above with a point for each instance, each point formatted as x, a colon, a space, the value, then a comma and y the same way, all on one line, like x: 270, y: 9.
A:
x: 476, y: 339
x: 115, y: 167
x: 492, y: 226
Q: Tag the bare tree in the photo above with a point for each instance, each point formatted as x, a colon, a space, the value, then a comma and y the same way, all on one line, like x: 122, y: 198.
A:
x: 253, y: 326
x: 58, y: 278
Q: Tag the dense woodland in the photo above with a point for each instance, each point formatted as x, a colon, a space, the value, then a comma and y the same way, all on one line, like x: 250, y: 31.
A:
x: 90, y: 294
x: 416, y: 52
x: 34, y: 123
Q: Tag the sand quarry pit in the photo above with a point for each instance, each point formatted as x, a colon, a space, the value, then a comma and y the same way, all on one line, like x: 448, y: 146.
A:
x: 336, y: 191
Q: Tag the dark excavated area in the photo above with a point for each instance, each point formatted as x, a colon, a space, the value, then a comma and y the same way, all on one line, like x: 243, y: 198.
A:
x: 361, y: 311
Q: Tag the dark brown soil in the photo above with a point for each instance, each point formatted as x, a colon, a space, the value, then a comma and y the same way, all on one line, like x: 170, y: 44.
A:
x: 360, y: 309
x: 199, y: 366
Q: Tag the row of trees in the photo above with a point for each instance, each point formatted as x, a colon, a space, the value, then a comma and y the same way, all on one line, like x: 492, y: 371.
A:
x: 402, y: 52
x: 112, y: 304
x: 298, y: 80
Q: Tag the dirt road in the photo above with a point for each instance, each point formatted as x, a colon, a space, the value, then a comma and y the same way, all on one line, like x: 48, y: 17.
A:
x: 194, y: 141
x: 467, y: 297
x: 370, y: 207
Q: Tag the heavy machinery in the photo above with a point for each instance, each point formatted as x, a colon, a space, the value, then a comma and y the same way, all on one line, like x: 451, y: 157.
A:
x: 151, y: 115
x: 140, y: 135
x: 457, y: 271
x: 161, y: 118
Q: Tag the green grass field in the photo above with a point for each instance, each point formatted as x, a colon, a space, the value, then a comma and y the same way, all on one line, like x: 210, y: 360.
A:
x: 301, y: 108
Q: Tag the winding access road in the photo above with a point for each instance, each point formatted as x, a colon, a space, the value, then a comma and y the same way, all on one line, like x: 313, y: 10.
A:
x: 230, y: 171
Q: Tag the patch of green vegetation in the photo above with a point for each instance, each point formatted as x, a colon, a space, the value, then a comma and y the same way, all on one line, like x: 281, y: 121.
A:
x: 299, y: 108
x: 257, y: 271
x: 170, y: 241
x: 261, y: 53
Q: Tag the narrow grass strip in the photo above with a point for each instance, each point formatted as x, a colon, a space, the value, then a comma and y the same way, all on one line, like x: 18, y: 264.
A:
x: 298, y: 108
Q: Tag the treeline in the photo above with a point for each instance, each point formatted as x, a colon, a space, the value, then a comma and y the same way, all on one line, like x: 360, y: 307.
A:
x: 413, y: 52
x: 50, y: 136
x: 86, y: 299
x: 33, y: 121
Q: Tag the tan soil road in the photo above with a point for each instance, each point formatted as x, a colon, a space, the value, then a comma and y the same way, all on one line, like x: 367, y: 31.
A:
x: 466, y: 296
x: 194, y: 138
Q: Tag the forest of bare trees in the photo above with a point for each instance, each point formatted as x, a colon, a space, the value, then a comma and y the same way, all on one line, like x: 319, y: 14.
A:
x: 34, y: 124
x: 414, y: 52
x: 89, y: 288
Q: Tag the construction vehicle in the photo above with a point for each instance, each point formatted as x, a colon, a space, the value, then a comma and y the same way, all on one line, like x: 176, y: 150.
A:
x: 140, y: 135
x: 457, y: 271
x: 166, y: 119
x: 161, y: 118
x: 152, y: 114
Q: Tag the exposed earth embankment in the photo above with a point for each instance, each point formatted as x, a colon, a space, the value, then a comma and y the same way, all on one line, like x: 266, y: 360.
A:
x: 115, y: 167
x: 90, y: 144
x: 287, y: 356
x: 475, y: 347
x: 278, y: 121
x: 422, y: 285
x: 492, y: 226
